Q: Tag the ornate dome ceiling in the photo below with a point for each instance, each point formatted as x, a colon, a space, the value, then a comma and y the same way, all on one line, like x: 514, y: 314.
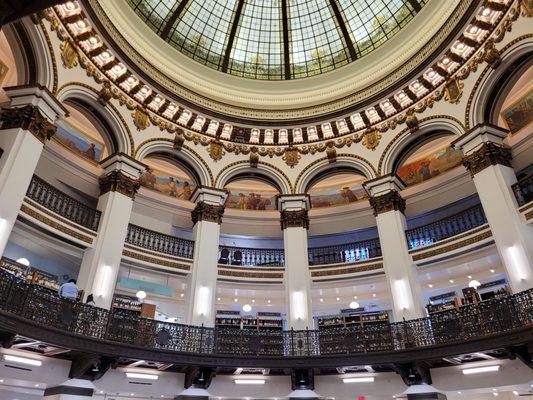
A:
x: 276, y: 39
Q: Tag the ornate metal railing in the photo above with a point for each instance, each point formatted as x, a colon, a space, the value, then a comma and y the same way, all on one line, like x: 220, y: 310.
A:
x: 523, y: 190
x: 343, y: 253
x: 250, y: 256
x: 62, y: 204
x: 43, y: 307
x: 159, y: 242
x: 446, y: 227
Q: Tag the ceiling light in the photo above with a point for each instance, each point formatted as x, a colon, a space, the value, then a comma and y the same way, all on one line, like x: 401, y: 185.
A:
x: 249, y: 381
x: 253, y: 300
x: 182, y: 294
x: 359, y: 379
x: 218, y: 298
x: 474, y: 284
x: 235, y: 300
x: 469, y: 276
x: 338, y: 298
x: 268, y: 301
x: 480, y: 370
x: 354, y: 305
x: 492, y: 270
x: 430, y: 285
x: 515, y: 392
x: 247, y: 308
x: 36, y: 385
x: 451, y: 280
x: 23, y: 360
x: 321, y: 300
x: 24, y: 261
x: 495, y: 394
x: 374, y: 295
x: 355, y: 297
x: 141, y: 295
x: 138, y: 375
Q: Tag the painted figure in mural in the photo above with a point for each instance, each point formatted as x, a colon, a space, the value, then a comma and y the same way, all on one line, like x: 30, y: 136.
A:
x: 148, y: 179
x: 90, y: 153
x: 186, y: 194
x: 348, y: 195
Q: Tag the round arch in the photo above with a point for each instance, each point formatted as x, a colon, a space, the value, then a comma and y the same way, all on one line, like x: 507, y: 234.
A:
x: 86, y: 99
x: 186, y: 157
x: 405, y: 142
x: 263, y: 171
x: 491, y: 87
x: 322, y: 167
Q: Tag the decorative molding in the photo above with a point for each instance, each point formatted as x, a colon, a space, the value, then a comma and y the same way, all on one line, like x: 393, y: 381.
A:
x: 52, y: 55
x: 207, y: 212
x: 291, y: 156
x: 157, y: 261
x: 345, y: 271
x: 387, y: 202
x: 141, y: 119
x: 69, y: 54
x: 371, y: 139
x: 118, y: 181
x: 47, y: 221
x: 294, y: 219
x: 455, y: 246
x: 250, y: 274
x: 487, y: 155
x: 28, y: 118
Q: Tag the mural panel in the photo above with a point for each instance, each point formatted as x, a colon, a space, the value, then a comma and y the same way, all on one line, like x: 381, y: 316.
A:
x: 430, y: 165
x: 337, y: 192
x: 256, y: 200
x: 519, y: 114
x: 179, y: 187
x: 79, y: 142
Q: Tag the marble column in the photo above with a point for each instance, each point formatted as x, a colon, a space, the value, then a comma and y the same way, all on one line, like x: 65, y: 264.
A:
x: 206, y: 217
x: 389, y: 207
x: 25, y: 126
x: 295, y: 223
x: 489, y: 162
x: 100, y: 264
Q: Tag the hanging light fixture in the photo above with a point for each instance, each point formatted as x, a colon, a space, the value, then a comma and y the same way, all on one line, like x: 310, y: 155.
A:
x: 141, y: 295
x: 474, y: 284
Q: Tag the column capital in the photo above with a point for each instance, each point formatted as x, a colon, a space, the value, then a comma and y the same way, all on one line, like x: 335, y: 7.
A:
x: 32, y: 108
x: 482, y: 147
x: 210, y: 204
x: 121, y: 175
x: 294, y: 210
x: 384, y: 193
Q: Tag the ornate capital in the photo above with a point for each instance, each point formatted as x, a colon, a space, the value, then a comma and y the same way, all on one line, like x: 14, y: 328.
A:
x: 387, y: 202
x: 207, y: 212
x: 294, y: 219
x: 28, y: 118
x: 488, y: 154
x: 118, y: 181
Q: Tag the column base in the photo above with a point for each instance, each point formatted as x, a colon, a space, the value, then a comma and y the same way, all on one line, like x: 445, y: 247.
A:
x: 193, y: 394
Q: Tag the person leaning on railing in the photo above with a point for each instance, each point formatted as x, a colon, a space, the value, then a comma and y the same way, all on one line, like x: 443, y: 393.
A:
x: 69, y: 290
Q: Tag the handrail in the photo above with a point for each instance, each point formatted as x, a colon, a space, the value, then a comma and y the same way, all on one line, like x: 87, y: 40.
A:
x: 447, y: 227
x: 251, y: 256
x: 343, y: 253
x: 159, y: 242
x: 476, y: 321
x: 61, y: 203
x: 523, y: 190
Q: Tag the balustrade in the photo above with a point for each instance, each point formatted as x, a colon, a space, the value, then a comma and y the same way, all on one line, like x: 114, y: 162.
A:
x: 523, y: 190
x: 43, y: 307
x: 447, y: 227
x: 250, y: 256
x: 62, y: 204
x: 343, y: 253
x: 159, y: 242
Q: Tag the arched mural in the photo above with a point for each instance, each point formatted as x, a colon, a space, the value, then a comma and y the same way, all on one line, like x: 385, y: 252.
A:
x: 167, y: 178
x: 516, y: 111
x: 251, y: 194
x: 337, y: 189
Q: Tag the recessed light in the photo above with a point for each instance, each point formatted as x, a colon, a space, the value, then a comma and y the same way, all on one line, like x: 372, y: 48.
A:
x: 253, y: 300
x: 492, y: 270
x: 137, y: 375
x: 480, y: 370
x: 182, y: 294
x: 495, y: 393
x: 430, y: 285
x: 451, y: 281
x: 23, y: 360
x: 374, y: 295
x: 268, y: 301
x: 247, y: 308
x: 515, y: 392
x: 359, y: 379
x: 469, y: 276
x: 338, y: 298
x: 321, y: 300
x: 355, y: 297
x: 235, y: 300
x: 36, y: 385
x: 218, y: 298
x: 249, y: 381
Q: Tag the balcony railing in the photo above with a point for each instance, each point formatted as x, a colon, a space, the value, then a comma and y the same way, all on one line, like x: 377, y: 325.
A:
x: 445, y: 228
x: 44, y: 308
x: 62, y: 204
x: 523, y: 190
x: 251, y: 257
x: 159, y: 242
x: 343, y: 253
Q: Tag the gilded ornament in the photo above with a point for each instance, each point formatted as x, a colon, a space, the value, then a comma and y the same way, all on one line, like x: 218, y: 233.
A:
x: 69, y: 55
x: 216, y: 150
x: 454, y: 90
x: 291, y: 157
x: 331, y: 152
x: 371, y: 139
x: 411, y: 121
x: 254, y: 157
x: 491, y: 55
x: 105, y: 94
x: 527, y: 8
x: 141, y: 119
x: 179, y: 139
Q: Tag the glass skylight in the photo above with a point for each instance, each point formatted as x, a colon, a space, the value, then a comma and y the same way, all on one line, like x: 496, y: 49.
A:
x: 276, y: 39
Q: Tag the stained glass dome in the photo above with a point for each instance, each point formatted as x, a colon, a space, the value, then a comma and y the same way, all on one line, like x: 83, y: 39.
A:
x: 276, y: 39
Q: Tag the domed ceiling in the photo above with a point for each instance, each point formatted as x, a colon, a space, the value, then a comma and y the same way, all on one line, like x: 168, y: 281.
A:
x: 276, y: 39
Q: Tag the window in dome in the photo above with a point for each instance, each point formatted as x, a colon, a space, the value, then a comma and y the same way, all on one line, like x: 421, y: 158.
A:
x: 167, y: 178
x: 81, y: 136
x: 156, y: 13
x: 431, y: 159
x: 338, y: 189
x: 251, y: 194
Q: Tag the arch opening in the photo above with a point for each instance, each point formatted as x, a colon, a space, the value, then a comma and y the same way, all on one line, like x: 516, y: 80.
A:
x: 336, y: 187
x: 252, y: 192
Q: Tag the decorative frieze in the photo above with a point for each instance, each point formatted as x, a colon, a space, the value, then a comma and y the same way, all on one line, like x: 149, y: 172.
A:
x: 207, y: 212
x: 28, y: 118
x: 294, y: 219
x: 118, y: 181
x: 387, y: 202
x: 488, y: 154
